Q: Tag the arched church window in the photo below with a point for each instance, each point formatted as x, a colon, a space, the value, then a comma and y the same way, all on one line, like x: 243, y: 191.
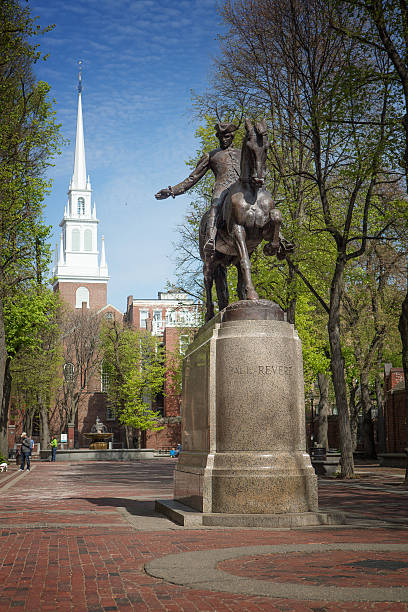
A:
x: 76, y: 240
x: 82, y: 295
x: 88, y: 240
x: 81, y: 206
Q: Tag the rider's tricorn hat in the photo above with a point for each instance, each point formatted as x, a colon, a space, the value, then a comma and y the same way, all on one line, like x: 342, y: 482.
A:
x: 225, y: 128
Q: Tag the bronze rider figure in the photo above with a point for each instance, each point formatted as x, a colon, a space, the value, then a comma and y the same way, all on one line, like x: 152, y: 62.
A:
x: 225, y: 165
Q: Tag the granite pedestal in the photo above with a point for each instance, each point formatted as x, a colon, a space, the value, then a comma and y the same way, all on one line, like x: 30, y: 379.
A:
x: 243, y: 421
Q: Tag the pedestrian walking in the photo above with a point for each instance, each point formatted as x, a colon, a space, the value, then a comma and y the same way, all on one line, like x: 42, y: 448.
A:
x: 53, y: 445
x: 25, y: 451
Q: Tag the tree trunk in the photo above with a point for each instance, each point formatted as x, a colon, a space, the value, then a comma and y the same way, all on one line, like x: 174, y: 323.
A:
x: 403, y: 330
x: 367, y: 429
x: 354, y: 409
x: 28, y: 422
x: 379, y: 394
x: 129, y: 436
x: 337, y: 369
x: 322, y: 437
x: 44, y: 431
x: 4, y: 407
x: 6, y: 397
x: 139, y: 438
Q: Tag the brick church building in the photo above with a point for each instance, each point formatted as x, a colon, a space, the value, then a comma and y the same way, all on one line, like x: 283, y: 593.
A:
x: 81, y: 272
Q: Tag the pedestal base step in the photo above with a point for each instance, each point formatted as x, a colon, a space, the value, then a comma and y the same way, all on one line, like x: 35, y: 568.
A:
x: 188, y: 517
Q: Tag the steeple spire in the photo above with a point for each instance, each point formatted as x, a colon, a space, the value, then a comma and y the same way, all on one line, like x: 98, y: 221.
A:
x: 79, y: 175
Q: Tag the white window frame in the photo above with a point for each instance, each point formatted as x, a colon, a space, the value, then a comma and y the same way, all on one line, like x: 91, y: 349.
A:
x: 81, y: 295
x: 143, y: 321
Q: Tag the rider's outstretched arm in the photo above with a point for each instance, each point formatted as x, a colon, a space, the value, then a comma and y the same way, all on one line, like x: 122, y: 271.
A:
x: 201, y: 168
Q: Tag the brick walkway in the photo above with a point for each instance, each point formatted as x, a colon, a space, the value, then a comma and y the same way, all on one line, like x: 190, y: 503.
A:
x: 79, y: 537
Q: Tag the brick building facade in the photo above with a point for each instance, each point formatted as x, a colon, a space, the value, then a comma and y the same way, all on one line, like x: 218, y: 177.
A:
x: 395, y: 418
x: 173, y: 318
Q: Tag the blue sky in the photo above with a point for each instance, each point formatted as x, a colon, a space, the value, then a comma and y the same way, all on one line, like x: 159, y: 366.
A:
x: 141, y: 59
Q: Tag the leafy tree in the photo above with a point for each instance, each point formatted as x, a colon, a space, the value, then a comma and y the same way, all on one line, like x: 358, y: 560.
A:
x: 371, y: 300
x: 82, y: 356
x: 284, y: 55
x: 29, y: 137
x: 36, y: 366
x: 383, y: 28
x: 134, y: 362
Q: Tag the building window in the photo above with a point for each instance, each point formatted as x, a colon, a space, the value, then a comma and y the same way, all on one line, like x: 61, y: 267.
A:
x: 81, y: 206
x: 110, y: 413
x: 69, y: 371
x: 104, y: 379
x: 144, y: 315
x: 109, y: 315
x: 159, y: 403
x: 76, y: 240
x: 184, y: 342
x: 82, y: 295
x: 88, y: 240
x: 147, y: 398
x: 170, y: 316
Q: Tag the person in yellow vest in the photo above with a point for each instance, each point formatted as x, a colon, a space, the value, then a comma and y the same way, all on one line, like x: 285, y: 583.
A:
x: 53, y: 445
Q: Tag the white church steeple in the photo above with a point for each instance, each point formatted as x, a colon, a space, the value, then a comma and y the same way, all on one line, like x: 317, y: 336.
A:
x: 78, y: 261
x: 79, y: 175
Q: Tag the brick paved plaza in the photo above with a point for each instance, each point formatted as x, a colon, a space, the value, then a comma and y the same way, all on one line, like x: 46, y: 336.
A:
x: 85, y: 537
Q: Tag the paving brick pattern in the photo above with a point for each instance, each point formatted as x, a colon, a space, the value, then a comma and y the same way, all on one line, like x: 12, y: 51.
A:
x: 367, y: 569
x: 77, y: 537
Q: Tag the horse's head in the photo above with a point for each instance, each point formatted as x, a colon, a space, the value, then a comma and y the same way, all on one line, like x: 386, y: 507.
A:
x: 254, y: 153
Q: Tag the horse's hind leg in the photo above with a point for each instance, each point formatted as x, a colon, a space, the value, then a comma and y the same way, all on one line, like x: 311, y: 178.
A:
x: 208, y: 283
x: 239, y: 235
x: 220, y: 275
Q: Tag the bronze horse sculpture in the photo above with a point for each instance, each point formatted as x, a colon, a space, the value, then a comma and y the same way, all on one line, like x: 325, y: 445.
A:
x: 246, y: 216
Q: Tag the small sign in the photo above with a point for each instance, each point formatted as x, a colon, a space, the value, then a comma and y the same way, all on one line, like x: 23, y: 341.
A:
x: 64, y: 437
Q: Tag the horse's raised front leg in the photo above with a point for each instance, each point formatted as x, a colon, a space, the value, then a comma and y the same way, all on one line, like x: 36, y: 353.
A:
x: 208, y: 283
x: 273, y: 234
x: 239, y: 236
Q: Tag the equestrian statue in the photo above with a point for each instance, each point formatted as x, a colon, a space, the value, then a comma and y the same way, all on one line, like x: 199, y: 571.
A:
x: 242, y: 212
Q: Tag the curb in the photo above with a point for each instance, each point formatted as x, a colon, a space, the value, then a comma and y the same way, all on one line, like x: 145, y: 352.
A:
x: 13, y: 478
